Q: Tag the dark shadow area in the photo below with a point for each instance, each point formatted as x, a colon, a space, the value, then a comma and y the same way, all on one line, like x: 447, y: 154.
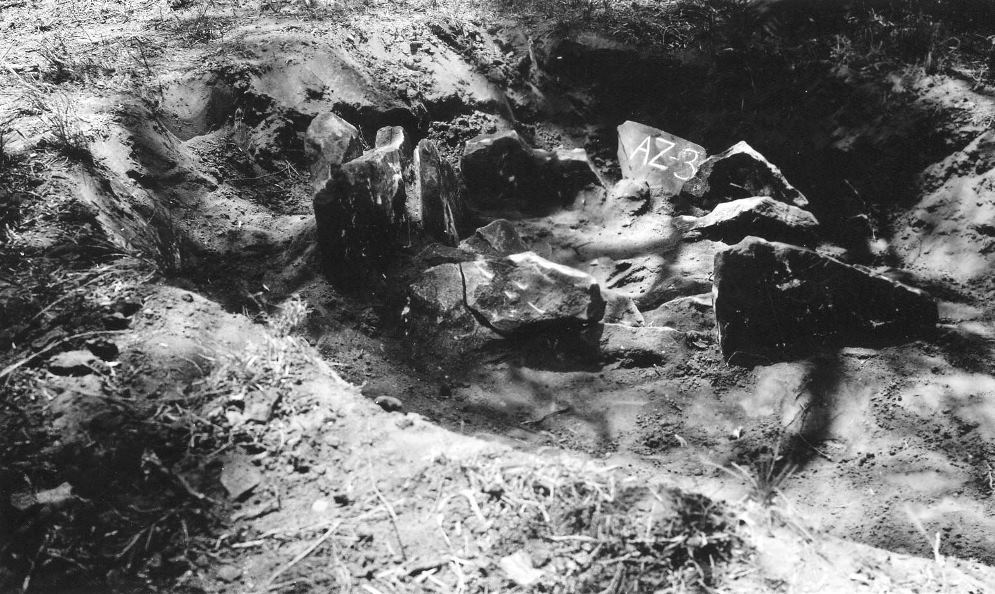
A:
x: 814, y: 422
x: 811, y: 85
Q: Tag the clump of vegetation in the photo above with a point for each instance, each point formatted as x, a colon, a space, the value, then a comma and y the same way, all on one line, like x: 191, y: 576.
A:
x: 764, y: 476
x: 559, y: 525
x: 291, y: 315
x: 63, y: 123
x: 205, y: 23
x: 608, y: 534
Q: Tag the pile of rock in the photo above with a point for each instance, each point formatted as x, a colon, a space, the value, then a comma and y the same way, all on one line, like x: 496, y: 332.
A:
x: 772, y: 295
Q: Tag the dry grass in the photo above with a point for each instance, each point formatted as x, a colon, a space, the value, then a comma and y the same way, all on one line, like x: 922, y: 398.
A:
x: 493, y: 523
x: 66, y: 62
x: 291, y: 315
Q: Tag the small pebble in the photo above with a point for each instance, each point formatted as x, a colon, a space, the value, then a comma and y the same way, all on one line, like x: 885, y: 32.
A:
x: 320, y: 506
x: 229, y: 573
x: 389, y: 403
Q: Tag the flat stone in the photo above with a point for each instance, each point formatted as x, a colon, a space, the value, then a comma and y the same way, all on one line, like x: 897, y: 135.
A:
x: 498, y: 238
x: 525, y: 293
x: 641, y: 346
x: 436, y: 203
x: 687, y: 314
x: 73, y: 363
x: 239, y: 476
x: 436, y: 254
x: 259, y: 405
x: 439, y: 291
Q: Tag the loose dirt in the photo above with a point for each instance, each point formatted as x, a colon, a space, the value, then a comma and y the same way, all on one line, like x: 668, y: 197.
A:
x: 233, y: 444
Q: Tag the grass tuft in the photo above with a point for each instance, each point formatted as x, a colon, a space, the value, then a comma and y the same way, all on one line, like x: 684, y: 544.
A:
x: 64, y: 125
x: 291, y: 316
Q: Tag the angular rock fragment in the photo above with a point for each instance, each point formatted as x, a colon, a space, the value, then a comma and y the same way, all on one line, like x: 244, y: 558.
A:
x: 773, y: 299
x: 524, y: 293
x: 759, y: 216
x: 259, y: 405
x: 739, y: 172
x: 518, y: 569
x: 501, y: 171
x: 621, y: 309
x: 239, y: 476
x: 573, y: 175
x: 393, y: 138
x: 330, y: 142
x: 436, y: 202
x: 498, y: 238
x: 389, y: 403
x: 687, y: 314
x: 659, y: 158
x: 637, y: 346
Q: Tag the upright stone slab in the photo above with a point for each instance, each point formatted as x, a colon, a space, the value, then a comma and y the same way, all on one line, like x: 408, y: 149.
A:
x: 739, y: 172
x: 359, y: 208
x: 330, y: 142
x: 659, y: 158
x: 774, y: 300
x: 436, y: 203
x: 395, y: 140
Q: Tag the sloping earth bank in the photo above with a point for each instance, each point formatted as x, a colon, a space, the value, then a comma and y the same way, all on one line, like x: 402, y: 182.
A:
x: 170, y: 202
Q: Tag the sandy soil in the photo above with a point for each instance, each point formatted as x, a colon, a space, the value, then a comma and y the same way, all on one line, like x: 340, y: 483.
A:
x: 878, y: 462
